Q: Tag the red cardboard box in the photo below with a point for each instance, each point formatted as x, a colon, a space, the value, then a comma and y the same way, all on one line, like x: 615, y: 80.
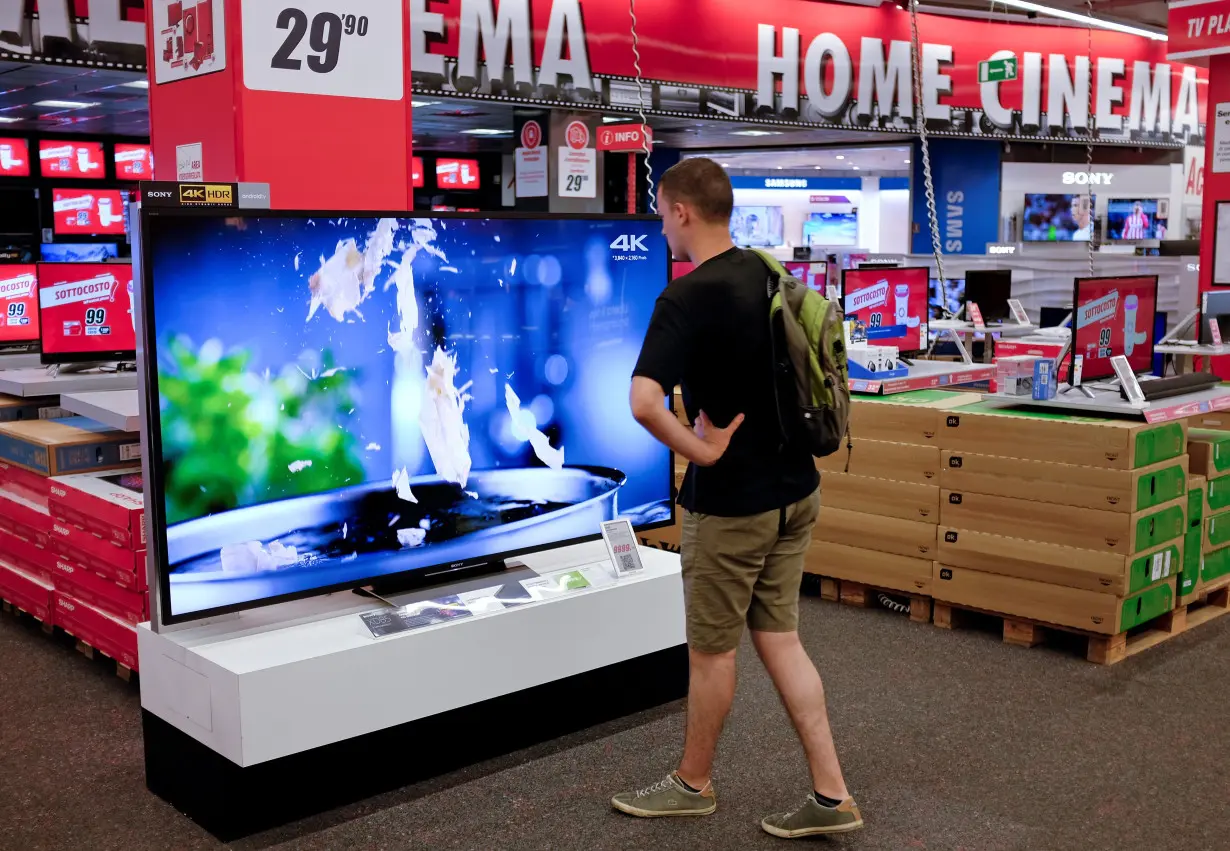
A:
x: 110, y: 504
x: 125, y: 575
x: 26, y: 554
x: 22, y: 479
x: 97, y: 628
x: 27, y: 591
x: 100, y: 592
x: 87, y: 542
x: 21, y: 510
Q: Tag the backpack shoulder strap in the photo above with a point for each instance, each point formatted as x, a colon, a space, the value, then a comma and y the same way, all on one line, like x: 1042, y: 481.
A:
x: 775, y: 265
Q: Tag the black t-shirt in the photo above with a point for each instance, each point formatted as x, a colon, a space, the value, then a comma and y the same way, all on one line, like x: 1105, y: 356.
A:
x: 710, y: 334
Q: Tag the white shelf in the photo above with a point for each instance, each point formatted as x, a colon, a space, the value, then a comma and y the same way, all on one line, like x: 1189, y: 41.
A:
x: 926, y: 374
x: 1107, y: 402
x: 39, y: 382
x: 114, y: 408
x: 20, y: 361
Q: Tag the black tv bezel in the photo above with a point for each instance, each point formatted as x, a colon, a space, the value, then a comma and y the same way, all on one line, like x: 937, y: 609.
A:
x: 998, y: 316
x: 155, y: 473
x: 1076, y: 291
x: 37, y: 339
x: 57, y: 358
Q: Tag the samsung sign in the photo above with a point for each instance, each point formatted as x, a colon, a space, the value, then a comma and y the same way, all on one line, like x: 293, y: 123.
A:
x: 785, y: 183
x: 823, y: 184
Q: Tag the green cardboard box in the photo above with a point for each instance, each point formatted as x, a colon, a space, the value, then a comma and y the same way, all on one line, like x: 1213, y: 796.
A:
x: 1195, y: 500
x: 1209, y: 452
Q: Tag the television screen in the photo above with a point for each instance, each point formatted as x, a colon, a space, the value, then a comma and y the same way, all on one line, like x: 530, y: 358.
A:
x: 1214, y: 305
x: 14, y: 158
x: 86, y: 312
x: 889, y: 304
x: 457, y: 174
x: 416, y: 173
x: 831, y: 229
x: 345, y: 398
x: 814, y: 273
x: 71, y: 159
x: 1059, y: 218
x: 89, y: 211
x: 1114, y: 316
x: 134, y: 162
x: 18, y: 307
x: 947, y: 295
x: 1135, y: 219
x: 990, y: 289
x: 756, y: 227
x: 78, y: 252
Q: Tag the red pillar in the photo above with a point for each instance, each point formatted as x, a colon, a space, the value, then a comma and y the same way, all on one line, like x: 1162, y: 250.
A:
x: 321, y: 110
x: 1216, y: 184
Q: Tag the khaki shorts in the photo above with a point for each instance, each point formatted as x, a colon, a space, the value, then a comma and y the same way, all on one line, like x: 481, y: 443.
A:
x: 739, y: 570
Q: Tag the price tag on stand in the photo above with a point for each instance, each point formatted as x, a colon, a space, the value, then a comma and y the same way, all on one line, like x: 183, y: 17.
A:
x: 1131, y: 386
x: 313, y: 47
x: 1018, y: 311
x: 1215, y: 331
x: 621, y: 546
x: 578, y: 163
x: 975, y: 315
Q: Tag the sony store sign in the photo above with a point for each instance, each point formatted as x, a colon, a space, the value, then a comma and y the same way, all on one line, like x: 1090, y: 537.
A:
x: 816, y: 63
x: 1088, y: 178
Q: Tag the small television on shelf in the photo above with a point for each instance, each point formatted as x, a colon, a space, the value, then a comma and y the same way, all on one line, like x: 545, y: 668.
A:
x: 990, y: 289
x: 89, y: 212
x: 1112, y: 317
x: 756, y: 227
x: 18, y: 306
x: 457, y: 174
x: 814, y: 273
x: 1051, y: 316
x: 1214, y: 305
x: 462, y: 435
x: 1136, y: 218
x: 14, y: 157
x: 133, y: 162
x: 887, y: 305
x: 1059, y: 218
x: 831, y: 229
x: 86, y: 312
x: 63, y: 158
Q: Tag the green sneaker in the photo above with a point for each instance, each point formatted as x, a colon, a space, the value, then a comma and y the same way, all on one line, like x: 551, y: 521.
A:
x: 811, y: 819
x: 667, y: 797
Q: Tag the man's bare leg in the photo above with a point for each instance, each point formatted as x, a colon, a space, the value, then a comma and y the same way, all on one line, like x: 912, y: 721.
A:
x: 798, y: 682
x: 711, y: 691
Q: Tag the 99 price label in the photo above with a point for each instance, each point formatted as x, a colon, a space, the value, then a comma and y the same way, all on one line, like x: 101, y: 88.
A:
x: 324, y: 47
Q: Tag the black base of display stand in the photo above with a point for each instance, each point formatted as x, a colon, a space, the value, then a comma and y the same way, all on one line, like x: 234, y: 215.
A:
x: 232, y: 802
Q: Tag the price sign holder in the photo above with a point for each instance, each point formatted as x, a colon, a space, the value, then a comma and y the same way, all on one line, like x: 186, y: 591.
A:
x: 975, y: 315
x: 621, y: 547
x: 1018, y: 311
x: 1131, y: 386
x: 1214, y: 331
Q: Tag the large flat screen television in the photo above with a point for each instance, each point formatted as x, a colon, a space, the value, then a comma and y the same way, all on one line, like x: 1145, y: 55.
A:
x: 92, y: 212
x: 343, y: 399
x: 71, y: 159
x: 1059, y: 218
x: 756, y: 227
x: 1112, y: 317
x: 18, y: 305
x: 86, y: 312
x: 831, y: 229
x: 133, y: 162
x: 889, y: 304
x: 456, y: 174
x: 1135, y: 218
x: 14, y: 157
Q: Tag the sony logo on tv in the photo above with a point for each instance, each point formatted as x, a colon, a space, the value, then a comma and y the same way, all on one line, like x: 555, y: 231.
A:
x: 1085, y: 178
x: 1001, y: 249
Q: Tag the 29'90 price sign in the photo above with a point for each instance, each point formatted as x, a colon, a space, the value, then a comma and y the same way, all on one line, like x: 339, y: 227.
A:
x: 324, y: 47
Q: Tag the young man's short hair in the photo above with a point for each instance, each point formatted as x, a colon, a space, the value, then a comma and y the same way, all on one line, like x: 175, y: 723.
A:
x: 703, y: 185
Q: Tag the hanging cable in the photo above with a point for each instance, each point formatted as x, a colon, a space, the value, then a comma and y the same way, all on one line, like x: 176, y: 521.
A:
x: 1089, y: 127
x: 640, y: 106
x: 921, y: 122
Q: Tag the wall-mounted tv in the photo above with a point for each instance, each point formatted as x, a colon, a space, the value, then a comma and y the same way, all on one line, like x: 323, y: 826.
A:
x: 89, y: 211
x: 18, y: 304
x: 86, y: 312
x: 756, y: 227
x: 457, y: 174
x: 1136, y: 218
x: 1059, y: 218
x: 831, y: 229
x: 14, y: 157
x: 133, y: 162
x: 71, y: 159
x: 431, y: 394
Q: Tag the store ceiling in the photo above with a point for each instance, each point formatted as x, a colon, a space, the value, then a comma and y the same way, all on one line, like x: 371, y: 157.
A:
x: 113, y: 107
x: 1148, y: 13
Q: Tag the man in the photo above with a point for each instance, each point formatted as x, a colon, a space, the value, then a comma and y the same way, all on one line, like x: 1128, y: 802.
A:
x: 1082, y: 214
x: 749, y: 502
x: 1136, y: 225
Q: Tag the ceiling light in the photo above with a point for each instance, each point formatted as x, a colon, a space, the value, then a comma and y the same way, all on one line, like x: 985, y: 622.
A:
x: 486, y: 131
x: 819, y: 168
x: 856, y: 168
x: 66, y: 104
x: 1084, y: 19
x: 615, y: 119
x: 725, y: 165
x: 841, y: 156
x: 907, y: 162
x: 6, y: 119
x: 779, y: 168
x: 755, y: 133
x: 137, y: 84
x: 417, y: 103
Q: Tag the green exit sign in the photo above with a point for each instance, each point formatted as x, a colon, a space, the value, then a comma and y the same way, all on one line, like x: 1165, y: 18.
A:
x: 997, y: 70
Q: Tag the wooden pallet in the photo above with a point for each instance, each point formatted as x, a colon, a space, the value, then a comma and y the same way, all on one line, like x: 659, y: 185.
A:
x: 122, y: 671
x: 17, y: 611
x: 865, y: 596
x: 1099, y: 648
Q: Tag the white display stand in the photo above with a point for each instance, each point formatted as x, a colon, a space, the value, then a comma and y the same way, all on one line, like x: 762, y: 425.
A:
x: 114, y: 408
x: 25, y: 361
x: 1180, y: 351
x: 926, y: 374
x: 967, y: 331
x: 280, y: 695
x: 1111, y: 402
x: 40, y: 382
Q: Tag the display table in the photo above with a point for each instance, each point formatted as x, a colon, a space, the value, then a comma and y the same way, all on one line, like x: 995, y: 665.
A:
x: 1184, y: 355
x: 967, y: 330
x: 281, y: 712
x: 40, y: 382
x: 26, y: 361
x: 1110, y: 402
x: 926, y: 374
x: 115, y: 408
